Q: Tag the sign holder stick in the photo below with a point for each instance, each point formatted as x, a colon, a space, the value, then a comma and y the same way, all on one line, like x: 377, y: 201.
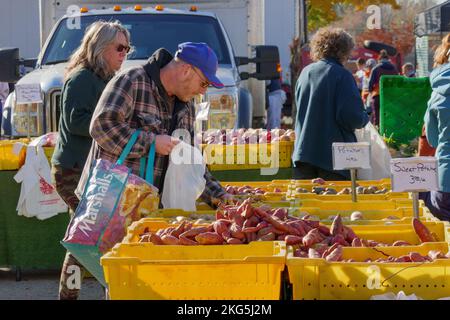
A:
x: 415, y: 198
x: 353, y: 177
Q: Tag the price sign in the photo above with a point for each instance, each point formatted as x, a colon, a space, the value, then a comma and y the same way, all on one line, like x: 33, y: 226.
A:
x: 351, y: 155
x: 28, y: 93
x: 414, y: 174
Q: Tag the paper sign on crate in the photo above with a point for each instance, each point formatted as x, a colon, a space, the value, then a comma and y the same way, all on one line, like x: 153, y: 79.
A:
x: 351, y: 155
x: 414, y: 174
x: 28, y: 93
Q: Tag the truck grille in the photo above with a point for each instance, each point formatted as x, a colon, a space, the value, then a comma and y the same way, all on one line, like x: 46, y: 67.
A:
x: 54, y: 111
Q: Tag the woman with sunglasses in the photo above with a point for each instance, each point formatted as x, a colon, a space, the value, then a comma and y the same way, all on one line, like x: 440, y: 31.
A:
x: 102, y: 51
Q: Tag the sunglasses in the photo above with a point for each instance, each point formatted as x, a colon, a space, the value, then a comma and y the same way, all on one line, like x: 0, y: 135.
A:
x: 121, y: 47
x: 204, y: 84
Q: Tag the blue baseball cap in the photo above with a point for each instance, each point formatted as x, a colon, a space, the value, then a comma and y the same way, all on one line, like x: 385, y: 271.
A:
x: 200, y: 55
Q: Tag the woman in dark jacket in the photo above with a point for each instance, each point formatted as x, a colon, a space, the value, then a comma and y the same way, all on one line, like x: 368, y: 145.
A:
x: 329, y: 105
x: 101, y: 53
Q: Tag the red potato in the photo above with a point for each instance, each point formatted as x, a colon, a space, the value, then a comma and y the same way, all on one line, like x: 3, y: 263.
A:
x: 209, y: 238
x: 422, y: 231
x: 293, y: 240
x: 170, y: 240
x: 335, y: 255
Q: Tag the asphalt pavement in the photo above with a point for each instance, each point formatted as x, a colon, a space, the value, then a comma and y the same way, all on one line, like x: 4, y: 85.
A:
x: 42, y: 285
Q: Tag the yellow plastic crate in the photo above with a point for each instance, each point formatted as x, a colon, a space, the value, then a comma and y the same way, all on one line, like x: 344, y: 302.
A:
x: 322, y: 280
x: 346, y: 183
x: 248, y: 156
x: 338, y: 197
x: 346, y: 205
x: 9, y: 160
x: 267, y: 186
x: 226, y: 272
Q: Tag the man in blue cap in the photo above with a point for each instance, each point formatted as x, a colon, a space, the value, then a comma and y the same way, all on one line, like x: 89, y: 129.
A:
x: 157, y: 97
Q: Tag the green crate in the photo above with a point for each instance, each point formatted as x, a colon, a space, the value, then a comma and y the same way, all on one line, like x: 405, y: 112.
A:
x: 403, y: 102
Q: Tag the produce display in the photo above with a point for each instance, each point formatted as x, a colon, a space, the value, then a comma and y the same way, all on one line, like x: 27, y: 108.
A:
x: 244, y: 136
x: 244, y: 223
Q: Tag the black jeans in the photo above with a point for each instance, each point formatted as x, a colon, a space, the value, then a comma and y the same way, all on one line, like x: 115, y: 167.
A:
x: 304, y: 171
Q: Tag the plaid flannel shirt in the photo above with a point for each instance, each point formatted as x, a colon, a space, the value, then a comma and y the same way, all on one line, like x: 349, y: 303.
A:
x: 132, y: 100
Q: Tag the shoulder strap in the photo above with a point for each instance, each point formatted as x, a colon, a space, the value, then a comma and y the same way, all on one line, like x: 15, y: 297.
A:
x: 128, y: 147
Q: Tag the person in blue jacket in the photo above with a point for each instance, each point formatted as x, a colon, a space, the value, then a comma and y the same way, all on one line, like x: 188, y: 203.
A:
x: 437, y: 127
x: 329, y: 105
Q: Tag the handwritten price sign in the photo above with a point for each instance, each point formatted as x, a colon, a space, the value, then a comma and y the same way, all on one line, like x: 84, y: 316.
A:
x: 351, y: 155
x: 414, y: 174
x: 28, y: 93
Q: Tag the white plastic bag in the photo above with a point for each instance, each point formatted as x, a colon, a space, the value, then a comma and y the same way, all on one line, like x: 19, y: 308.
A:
x: 184, y: 181
x: 38, y: 198
x: 392, y: 296
x: 380, y: 156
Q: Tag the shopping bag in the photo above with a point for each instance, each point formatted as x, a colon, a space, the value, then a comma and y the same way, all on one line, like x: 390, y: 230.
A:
x: 112, y: 199
x: 380, y: 156
x: 38, y: 197
x: 184, y: 181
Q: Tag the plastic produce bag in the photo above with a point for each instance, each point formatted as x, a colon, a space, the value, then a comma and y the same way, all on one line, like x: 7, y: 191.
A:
x: 379, y: 154
x: 184, y: 181
x: 112, y: 199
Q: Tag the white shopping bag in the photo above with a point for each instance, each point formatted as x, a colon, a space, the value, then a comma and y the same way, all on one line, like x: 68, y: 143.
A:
x: 184, y: 181
x: 38, y: 198
x: 380, y: 156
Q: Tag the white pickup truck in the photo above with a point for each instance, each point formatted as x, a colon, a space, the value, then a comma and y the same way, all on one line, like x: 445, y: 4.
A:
x: 150, y: 28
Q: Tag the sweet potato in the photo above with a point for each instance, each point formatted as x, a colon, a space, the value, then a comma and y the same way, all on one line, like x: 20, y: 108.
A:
x: 220, y: 226
x: 404, y: 258
x: 234, y: 241
x: 436, y: 254
x: 349, y: 235
x: 170, y: 240
x: 335, y: 255
x: 251, y: 222
x: 312, y: 223
x: 281, y: 237
x: 339, y: 239
x: 209, y: 238
x: 298, y: 225
x: 324, y: 230
x: 329, y: 250
x: 416, y: 257
x: 187, y: 242
x: 422, y: 231
x: 300, y: 253
x: 337, y: 226
x: 178, y: 230
x: 357, y: 242
x: 249, y: 237
x: 280, y: 213
x: 267, y: 237
x: 236, y: 231
x: 318, y: 181
x: 264, y: 231
x: 194, y: 232
x: 293, y: 240
x: 313, y: 254
x: 320, y: 248
x: 399, y: 243
x: 311, y: 238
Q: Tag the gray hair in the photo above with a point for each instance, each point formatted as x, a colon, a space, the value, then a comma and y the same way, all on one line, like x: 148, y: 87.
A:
x: 331, y: 42
x: 90, y: 53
